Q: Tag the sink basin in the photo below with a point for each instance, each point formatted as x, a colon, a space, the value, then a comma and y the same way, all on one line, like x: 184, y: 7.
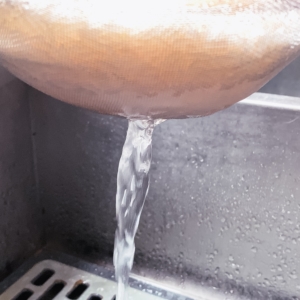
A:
x: 221, y: 220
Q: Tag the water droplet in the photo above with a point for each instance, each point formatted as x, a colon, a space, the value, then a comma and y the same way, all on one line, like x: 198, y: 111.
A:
x: 293, y: 275
x: 254, y: 249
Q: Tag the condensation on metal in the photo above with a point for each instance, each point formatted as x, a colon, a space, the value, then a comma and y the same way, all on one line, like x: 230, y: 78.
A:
x: 96, y: 286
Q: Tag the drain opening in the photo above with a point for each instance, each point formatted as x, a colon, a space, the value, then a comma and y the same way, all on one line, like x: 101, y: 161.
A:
x: 44, y: 276
x: 24, y: 295
x: 95, y: 297
x: 78, y: 290
x: 53, y: 291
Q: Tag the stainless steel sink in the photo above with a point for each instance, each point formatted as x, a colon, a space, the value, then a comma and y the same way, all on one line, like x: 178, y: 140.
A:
x: 222, y: 216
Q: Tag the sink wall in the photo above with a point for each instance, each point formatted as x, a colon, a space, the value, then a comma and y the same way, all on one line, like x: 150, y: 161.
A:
x: 20, y: 213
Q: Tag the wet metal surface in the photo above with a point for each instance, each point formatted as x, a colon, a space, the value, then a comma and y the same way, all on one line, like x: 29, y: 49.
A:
x: 222, y: 212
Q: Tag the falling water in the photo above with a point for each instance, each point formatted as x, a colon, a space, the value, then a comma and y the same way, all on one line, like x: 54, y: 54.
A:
x: 132, y: 188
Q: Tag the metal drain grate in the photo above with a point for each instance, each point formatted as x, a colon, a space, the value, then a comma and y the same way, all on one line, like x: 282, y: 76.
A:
x: 51, y: 280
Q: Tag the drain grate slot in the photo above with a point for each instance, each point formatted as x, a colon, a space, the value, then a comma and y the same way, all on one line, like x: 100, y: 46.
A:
x: 53, y: 291
x: 24, y: 295
x: 43, y: 277
x: 95, y: 297
x: 78, y: 290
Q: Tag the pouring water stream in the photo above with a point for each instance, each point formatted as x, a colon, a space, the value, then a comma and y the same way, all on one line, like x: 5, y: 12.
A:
x: 132, y: 189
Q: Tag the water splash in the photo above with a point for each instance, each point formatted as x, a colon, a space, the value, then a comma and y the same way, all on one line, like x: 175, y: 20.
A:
x: 132, y: 189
